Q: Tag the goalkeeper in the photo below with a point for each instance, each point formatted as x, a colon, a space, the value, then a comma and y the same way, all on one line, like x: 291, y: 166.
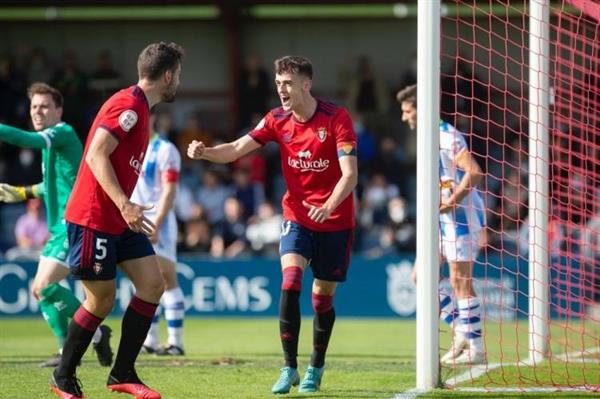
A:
x: 461, y: 222
x: 61, y: 154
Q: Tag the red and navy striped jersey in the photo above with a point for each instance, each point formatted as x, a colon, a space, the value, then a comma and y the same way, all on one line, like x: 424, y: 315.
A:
x: 126, y: 115
x: 309, y: 159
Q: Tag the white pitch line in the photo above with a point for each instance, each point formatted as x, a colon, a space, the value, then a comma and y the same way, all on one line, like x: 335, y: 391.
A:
x: 508, y: 389
x: 475, y: 372
x: 579, y: 356
x: 410, y: 394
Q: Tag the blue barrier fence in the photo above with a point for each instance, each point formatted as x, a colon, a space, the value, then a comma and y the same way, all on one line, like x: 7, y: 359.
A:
x: 250, y: 287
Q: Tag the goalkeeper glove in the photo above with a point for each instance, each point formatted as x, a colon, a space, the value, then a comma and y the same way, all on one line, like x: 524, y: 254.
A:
x: 10, y: 193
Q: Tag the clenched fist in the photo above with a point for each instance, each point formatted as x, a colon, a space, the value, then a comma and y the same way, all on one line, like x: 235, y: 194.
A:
x: 195, y: 149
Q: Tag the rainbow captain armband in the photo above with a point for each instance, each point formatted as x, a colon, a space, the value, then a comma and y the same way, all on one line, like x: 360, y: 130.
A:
x: 347, y: 148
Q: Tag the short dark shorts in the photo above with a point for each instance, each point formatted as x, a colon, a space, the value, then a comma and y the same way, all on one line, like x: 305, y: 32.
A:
x: 94, y: 255
x: 327, y: 251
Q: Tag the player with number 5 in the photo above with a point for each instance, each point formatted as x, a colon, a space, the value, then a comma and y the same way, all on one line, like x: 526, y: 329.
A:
x: 106, y: 229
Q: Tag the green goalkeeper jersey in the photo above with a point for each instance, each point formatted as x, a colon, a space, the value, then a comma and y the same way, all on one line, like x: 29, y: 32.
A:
x: 61, y: 154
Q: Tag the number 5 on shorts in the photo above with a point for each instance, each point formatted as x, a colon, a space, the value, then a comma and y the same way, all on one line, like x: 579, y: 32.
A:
x: 101, y: 248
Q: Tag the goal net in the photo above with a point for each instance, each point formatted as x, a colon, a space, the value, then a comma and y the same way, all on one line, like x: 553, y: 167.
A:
x: 485, y: 92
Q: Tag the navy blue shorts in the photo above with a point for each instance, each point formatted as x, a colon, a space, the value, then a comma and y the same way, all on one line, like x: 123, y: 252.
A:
x: 94, y: 255
x: 328, y: 252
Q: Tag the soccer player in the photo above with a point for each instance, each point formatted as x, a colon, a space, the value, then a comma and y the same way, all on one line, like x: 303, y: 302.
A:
x: 106, y: 229
x: 158, y: 185
x: 461, y: 221
x: 318, y: 156
x: 61, y: 154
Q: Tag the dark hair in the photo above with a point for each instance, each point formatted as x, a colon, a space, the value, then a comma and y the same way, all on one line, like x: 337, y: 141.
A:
x: 295, y: 65
x: 43, y: 88
x: 157, y: 58
x: 408, y: 94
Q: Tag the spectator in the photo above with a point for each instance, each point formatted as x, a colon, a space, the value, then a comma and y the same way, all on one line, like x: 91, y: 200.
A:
x: 73, y: 84
x: 399, y: 232
x: 264, y: 230
x: 31, y: 232
x: 375, y: 198
x: 367, y: 146
x: 254, y: 90
x: 12, y: 87
x: 212, y: 195
x: 229, y: 239
x: 196, y: 232
x: 368, y: 95
x: 192, y: 130
x: 249, y: 193
x: 105, y: 80
x: 39, y: 68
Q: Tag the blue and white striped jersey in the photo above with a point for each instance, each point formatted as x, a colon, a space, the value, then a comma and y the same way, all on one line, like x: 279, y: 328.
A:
x: 469, y: 216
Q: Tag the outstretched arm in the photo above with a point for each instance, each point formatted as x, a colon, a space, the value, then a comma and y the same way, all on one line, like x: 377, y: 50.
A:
x: 23, y: 138
x: 222, y: 153
x: 12, y: 194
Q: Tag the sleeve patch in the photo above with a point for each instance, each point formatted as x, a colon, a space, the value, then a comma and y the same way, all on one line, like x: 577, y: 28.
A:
x: 127, y: 120
x: 346, y: 149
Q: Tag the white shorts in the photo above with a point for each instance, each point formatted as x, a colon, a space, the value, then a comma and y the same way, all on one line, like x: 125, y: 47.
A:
x: 167, y: 240
x: 461, y: 249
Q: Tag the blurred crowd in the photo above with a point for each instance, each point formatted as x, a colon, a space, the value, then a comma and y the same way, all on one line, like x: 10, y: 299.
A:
x: 234, y: 210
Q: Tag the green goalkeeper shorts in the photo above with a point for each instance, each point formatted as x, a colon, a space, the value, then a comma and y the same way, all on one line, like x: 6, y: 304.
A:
x: 57, y: 247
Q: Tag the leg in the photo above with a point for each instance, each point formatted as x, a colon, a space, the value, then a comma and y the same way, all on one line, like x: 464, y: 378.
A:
x: 145, y: 275
x: 469, y: 311
x: 98, y: 303
x: 322, y: 300
x: 57, y: 303
x: 330, y: 266
x: 292, y: 266
x: 173, y: 302
x: 152, y: 341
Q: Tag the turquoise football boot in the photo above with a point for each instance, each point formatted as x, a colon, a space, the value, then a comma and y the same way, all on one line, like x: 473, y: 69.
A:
x: 289, y: 377
x: 312, y: 379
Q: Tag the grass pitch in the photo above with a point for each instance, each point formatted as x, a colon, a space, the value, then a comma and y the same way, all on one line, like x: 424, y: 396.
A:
x: 240, y: 358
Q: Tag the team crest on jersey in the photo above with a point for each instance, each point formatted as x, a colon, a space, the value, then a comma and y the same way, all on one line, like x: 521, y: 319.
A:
x: 97, y: 268
x: 127, y: 119
x: 321, y: 134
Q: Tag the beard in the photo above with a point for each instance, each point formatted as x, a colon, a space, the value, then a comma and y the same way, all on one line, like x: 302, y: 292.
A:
x: 168, y: 96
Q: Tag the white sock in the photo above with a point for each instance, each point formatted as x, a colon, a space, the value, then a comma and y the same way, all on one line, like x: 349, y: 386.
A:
x: 174, y: 314
x: 152, y: 339
x: 448, y: 311
x: 469, y: 314
x: 97, y: 336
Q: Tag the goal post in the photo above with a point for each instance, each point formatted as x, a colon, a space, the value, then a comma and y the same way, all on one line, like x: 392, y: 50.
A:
x: 428, y: 77
x: 521, y: 80
x: 539, y: 93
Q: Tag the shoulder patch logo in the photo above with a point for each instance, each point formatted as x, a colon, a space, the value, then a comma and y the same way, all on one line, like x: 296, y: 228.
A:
x: 127, y: 119
x: 321, y: 134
